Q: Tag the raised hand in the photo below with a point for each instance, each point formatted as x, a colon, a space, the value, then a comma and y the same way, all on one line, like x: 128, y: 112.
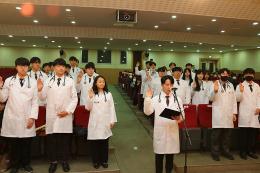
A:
x: 39, y: 85
x: 137, y: 64
x: 149, y: 92
x: 30, y: 123
x: 241, y: 87
x: 1, y: 82
x: 216, y: 86
x: 79, y: 77
x: 91, y: 93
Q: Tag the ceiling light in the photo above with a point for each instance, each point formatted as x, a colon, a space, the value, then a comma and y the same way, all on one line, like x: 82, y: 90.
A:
x: 68, y: 10
x: 35, y: 21
x: 23, y: 40
x: 200, y: 43
x: 258, y: 47
x: 210, y: 56
x: 111, y: 39
x: 18, y: 8
x: 171, y: 50
x: 198, y: 50
x: 258, y: 34
x: 160, y: 45
x: 129, y: 48
x: 185, y: 46
x: 171, y: 42
x: 81, y: 47
x: 108, y: 43
x: 136, y: 44
x: 2, y: 44
x: 34, y: 45
x: 10, y: 36
x: 232, y: 45
x: 53, y: 41
x: 79, y: 42
x: 255, y: 23
x: 156, y: 26
x: 220, y: 51
x: 149, y: 49
x: 144, y: 40
x: 73, y: 22
x: 76, y: 38
x: 45, y: 37
x: 222, y: 31
x: 174, y: 17
x: 213, y: 20
x: 59, y: 46
x: 105, y: 48
x: 188, y: 28
x: 236, y: 49
x: 212, y: 48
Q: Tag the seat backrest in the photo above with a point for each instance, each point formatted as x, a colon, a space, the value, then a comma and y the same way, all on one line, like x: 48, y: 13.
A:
x: 81, y: 117
x: 41, y: 117
x: 205, y: 115
x: 190, y: 116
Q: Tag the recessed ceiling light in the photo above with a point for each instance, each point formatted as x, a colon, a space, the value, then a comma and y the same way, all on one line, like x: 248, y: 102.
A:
x: 144, y: 40
x: 2, y: 44
x: 35, y: 21
x: 129, y: 48
x: 149, y: 49
x: 80, y: 47
x: 79, y: 42
x: 185, y: 46
x: 171, y: 50
x: 213, y: 48
x: 232, y: 45
x: 220, y: 51
x: 73, y: 22
x: 136, y: 44
x: 222, y: 31
x: 258, y: 34
x: 18, y: 8
x: 108, y: 43
x: 45, y: 36
x: 258, y: 47
x: 213, y: 20
x: 34, y: 45
x: 10, y: 36
x: 210, y: 56
x: 198, y: 50
x: 255, y: 23
x: 68, y: 10
x: 105, y: 48
x: 174, y: 17
x: 200, y: 43
x: 159, y: 45
x: 156, y: 26
x: 171, y: 42
x: 59, y: 46
x: 53, y: 41
x: 76, y: 38
x: 236, y: 49
x: 188, y: 28
x: 110, y: 39
x: 23, y: 40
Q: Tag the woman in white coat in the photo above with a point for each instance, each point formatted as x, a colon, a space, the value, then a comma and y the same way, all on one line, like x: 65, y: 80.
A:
x: 199, y: 90
x: 102, y: 119
x: 61, y: 96
x: 248, y: 94
x: 85, y: 82
x: 20, y: 114
x: 166, y: 132
x: 224, y: 110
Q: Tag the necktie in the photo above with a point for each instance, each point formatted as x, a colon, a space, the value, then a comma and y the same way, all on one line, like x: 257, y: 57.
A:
x: 36, y: 77
x: 178, y: 82
x: 251, y: 88
x: 21, y: 82
x: 89, y: 80
x: 73, y: 70
x: 224, y: 86
x: 58, y: 83
x: 167, y: 100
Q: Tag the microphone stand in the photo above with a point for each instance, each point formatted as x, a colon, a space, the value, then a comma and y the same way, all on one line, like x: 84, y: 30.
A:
x: 187, y: 136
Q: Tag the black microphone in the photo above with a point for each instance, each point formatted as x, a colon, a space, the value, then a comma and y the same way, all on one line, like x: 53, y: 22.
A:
x: 174, y: 89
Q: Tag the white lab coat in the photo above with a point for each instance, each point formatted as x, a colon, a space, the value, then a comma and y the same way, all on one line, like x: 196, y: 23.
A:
x: 148, y: 82
x: 84, y: 86
x: 59, y: 98
x: 40, y: 75
x: 141, y: 73
x: 183, y: 91
x: 249, y: 102
x: 102, y: 114
x: 22, y: 104
x: 224, y: 106
x: 202, y: 96
x: 75, y: 73
x: 166, y: 132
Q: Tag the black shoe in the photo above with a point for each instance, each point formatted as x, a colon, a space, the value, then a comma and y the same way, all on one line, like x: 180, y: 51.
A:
x: 228, y: 156
x: 65, y: 166
x: 243, y: 156
x: 14, y: 170
x: 215, y: 157
x: 252, y: 155
x: 53, y: 167
x: 28, y: 169
x: 96, y: 165
x: 104, y: 165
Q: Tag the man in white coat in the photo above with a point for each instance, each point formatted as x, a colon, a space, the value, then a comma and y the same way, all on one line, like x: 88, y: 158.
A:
x: 166, y: 132
x: 224, y: 110
x: 74, y: 71
x: 85, y: 82
x: 143, y: 73
x: 183, y: 90
x: 248, y: 94
x: 61, y: 96
x: 21, y: 111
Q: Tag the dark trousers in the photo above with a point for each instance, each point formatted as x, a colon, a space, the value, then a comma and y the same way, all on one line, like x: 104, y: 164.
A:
x: 99, y: 149
x: 248, y: 139
x: 58, y: 145
x: 220, y: 139
x: 159, y: 163
x: 20, y: 151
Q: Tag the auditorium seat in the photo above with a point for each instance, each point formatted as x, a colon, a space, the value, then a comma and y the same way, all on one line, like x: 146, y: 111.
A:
x: 205, y: 115
x: 41, y: 120
x: 7, y: 72
x: 190, y: 116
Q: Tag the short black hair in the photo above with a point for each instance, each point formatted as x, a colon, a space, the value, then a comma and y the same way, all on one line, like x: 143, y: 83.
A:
x: 188, y: 64
x: 95, y: 89
x: 249, y: 71
x: 35, y: 59
x: 45, y: 64
x: 50, y: 64
x: 161, y: 69
x: 90, y: 65
x: 73, y: 58
x: 172, y: 63
x: 164, y: 78
x: 177, y: 69
x: 59, y: 61
x: 21, y: 61
x: 152, y: 63
x: 223, y: 70
x: 147, y: 62
x: 68, y: 66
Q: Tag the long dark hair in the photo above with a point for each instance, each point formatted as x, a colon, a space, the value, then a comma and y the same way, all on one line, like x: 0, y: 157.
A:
x: 197, y: 80
x: 190, y: 76
x: 95, y: 89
